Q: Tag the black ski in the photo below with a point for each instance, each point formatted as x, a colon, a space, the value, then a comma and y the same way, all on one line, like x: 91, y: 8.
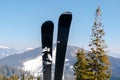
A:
x: 62, y: 39
x: 47, y: 41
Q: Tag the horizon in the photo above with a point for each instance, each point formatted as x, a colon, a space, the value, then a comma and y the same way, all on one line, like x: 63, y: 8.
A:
x: 20, y: 22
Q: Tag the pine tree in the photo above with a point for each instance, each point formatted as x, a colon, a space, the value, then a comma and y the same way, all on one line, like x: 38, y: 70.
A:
x: 100, y: 61
x: 81, y: 67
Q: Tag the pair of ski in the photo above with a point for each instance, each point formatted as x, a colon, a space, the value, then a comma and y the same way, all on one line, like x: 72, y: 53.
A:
x: 47, y: 41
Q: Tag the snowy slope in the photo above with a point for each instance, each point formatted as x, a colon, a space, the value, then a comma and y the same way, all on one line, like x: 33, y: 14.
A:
x: 32, y: 61
x: 6, y: 51
x: 35, y: 64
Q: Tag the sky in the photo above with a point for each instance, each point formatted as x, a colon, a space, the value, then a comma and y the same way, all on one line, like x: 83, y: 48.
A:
x: 21, y: 20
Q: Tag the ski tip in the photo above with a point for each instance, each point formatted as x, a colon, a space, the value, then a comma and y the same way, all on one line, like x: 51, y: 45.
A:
x: 65, y: 19
x: 47, y: 24
x: 68, y: 13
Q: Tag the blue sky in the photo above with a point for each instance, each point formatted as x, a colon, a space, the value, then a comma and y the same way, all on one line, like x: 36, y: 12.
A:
x: 21, y: 20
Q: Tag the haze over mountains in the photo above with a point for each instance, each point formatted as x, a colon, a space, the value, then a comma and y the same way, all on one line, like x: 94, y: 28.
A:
x: 31, y: 60
x: 7, y: 51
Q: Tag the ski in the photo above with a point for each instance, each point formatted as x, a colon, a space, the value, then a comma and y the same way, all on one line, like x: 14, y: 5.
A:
x: 62, y: 39
x: 47, y: 41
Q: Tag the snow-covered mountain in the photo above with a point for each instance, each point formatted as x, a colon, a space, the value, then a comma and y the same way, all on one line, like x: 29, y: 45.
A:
x: 32, y: 61
x: 7, y: 51
x: 35, y: 65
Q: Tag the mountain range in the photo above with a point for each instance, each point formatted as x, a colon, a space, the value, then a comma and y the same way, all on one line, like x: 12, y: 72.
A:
x: 7, y: 51
x: 32, y: 61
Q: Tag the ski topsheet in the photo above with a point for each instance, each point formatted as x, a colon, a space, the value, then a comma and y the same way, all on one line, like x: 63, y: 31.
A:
x: 62, y: 39
x: 47, y: 41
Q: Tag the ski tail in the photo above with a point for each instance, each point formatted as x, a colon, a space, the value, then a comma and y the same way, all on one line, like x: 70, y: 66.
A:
x: 62, y: 39
x: 47, y: 41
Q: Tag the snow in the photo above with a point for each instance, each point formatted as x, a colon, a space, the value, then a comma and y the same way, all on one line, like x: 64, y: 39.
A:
x: 54, y: 56
x: 5, y: 47
x: 66, y: 60
x: 49, y: 57
x: 46, y: 49
x: 71, y: 67
x: 116, y: 55
x: 3, y: 54
x: 28, y: 49
x: 33, y: 64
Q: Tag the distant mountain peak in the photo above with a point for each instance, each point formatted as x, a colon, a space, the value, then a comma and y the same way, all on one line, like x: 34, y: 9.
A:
x: 29, y: 49
x: 4, y: 47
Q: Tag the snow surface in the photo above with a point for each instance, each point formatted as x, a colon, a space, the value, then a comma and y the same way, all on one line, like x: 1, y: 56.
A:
x: 28, y: 49
x: 54, y: 56
x: 46, y: 49
x: 35, y: 64
x: 66, y: 60
x: 5, y: 47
